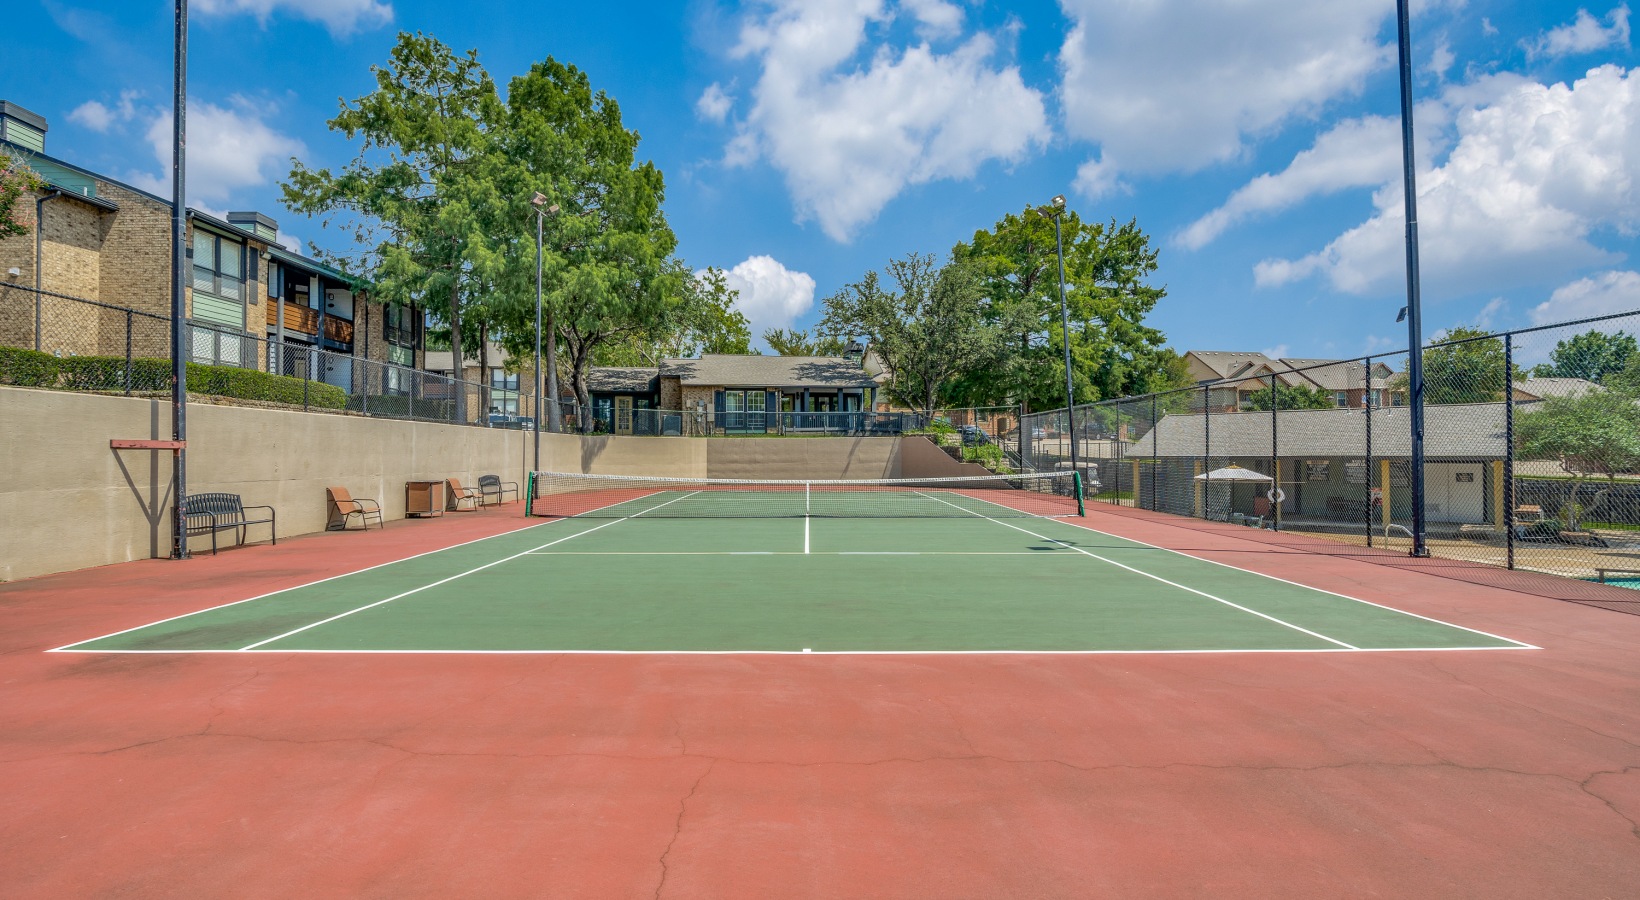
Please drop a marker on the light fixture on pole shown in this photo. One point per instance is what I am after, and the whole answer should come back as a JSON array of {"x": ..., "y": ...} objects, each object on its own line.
[
  {"x": 542, "y": 210},
  {"x": 1054, "y": 211}
]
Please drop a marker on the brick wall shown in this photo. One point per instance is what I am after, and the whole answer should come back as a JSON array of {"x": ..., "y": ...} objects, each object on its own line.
[{"x": 136, "y": 252}]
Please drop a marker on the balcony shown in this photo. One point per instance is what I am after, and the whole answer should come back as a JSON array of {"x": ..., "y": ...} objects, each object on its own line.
[{"x": 301, "y": 320}]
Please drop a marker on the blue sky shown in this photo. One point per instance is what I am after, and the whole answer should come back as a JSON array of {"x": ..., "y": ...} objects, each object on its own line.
[{"x": 1256, "y": 141}]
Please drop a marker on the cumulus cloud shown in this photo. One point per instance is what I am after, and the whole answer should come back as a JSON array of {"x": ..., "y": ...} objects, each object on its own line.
[
  {"x": 851, "y": 122},
  {"x": 340, "y": 17},
  {"x": 1534, "y": 169},
  {"x": 93, "y": 115},
  {"x": 771, "y": 295},
  {"x": 1354, "y": 153},
  {"x": 1158, "y": 97},
  {"x": 1585, "y": 34},
  {"x": 1585, "y": 298},
  {"x": 714, "y": 104},
  {"x": 228, "y": 149},
  {"x": 1489, "y": 313}
]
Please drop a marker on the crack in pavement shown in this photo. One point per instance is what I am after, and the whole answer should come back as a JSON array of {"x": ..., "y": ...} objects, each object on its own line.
[
  {"x": 1584, "y": 785},
  {"x": 677, "y": 826},
  {"x": 1546, "y": 714}
]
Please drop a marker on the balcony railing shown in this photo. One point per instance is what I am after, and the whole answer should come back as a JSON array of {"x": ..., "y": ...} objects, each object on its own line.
[
  {"x": 302, "y": 320},
  {"x": 339, "y": 330}
]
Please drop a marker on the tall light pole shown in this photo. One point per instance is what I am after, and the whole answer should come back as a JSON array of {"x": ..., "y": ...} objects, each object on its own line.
[
  {"x": 179, "y": 229},
  {"x": 1054, "y": 211},
  {"x": 542, "y": 210},
  {"x": 1414, "y": 307}
]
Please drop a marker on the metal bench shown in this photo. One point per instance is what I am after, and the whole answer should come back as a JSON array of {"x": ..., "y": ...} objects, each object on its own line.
[{"x": 211, "y": 513}]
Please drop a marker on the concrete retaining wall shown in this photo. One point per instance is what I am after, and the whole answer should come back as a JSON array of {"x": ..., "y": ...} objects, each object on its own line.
[{"x": 69, "y": 502}]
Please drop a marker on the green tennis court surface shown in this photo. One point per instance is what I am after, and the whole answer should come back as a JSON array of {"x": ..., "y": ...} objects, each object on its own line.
[{"x": 977, "y": 579}]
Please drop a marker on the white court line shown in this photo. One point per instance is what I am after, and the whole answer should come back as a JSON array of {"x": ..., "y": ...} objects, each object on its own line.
[
  {"x": 435, "y": 584},
  {"x": 1314, "y": 634},
  {"x": 1497, "y": 637},
  {"x": 1060, "y": 551},
  {"x": 1226, "y": 650}
]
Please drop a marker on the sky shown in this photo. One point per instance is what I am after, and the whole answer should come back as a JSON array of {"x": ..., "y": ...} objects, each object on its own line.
[{"x": 1257, "y": 142}]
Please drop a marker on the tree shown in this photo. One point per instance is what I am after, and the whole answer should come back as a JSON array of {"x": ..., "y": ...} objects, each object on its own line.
[
  {"x": 1628, "y": 380},
  {"x": 16, "y": 180},
  {"x": 1106, "y": 266},
  {"x": 1592, "y": 356},
  {"x": 796, "y": 342},
  {"x": 929, "y": 332},
  {"x": 609, "y": 277},
  {"x": 1594, "y": 435},
  {"x": 422, "y": 193},
  {"x": 1295, "y": 396},
  {"x": 705, "y": 321},
  {"x": 1467, "y": 366}
]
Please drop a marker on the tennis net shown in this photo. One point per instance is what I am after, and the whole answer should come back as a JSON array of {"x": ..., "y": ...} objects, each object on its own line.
[{"x": 562, "y": 494}]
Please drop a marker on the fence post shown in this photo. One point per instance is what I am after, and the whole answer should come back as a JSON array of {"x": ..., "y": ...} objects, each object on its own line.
[
  {"x": 1368, "y": 485},
  {"x": 1207, "y": 452},
  {"x": 128, "y": 353},
  {"x": 1507, "y": 514},
  {"x": 1155, "y": 462},
  {"x": 1275, "y": 457},
  {"x": 307, "y": 371},
  {"x": 37, "y": 296}
]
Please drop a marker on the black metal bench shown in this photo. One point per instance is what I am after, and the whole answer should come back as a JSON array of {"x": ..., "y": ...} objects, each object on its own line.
[{"x": 210, "y": 513}]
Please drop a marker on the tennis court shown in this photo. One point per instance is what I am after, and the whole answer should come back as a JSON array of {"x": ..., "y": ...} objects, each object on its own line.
[{"x": 644, "y": 566}]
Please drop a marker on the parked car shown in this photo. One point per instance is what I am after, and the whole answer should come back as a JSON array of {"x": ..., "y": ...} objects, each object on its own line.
[{"x": 973, "y": 434}]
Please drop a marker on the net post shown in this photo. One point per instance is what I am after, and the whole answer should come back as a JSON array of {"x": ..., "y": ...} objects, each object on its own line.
[
  {"x": 1076, "y": 487},
  {"x": 529, "y": 498}
]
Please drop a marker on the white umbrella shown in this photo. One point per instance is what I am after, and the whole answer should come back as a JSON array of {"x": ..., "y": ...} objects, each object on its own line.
[{"x": 1233, "y": 473}]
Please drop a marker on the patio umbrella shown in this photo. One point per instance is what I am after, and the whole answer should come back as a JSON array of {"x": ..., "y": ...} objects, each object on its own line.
[{"x": 1233, "y": 473}]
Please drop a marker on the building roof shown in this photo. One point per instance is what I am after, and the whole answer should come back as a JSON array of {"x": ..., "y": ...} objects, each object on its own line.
[
  {"x": 1463, "y": 431},
  {"x": 629, "y": 379},
  {"x": 1544, "y": 388},
  {"x": 1326, "y": 374},
  {"x": 726, "y": 370}
]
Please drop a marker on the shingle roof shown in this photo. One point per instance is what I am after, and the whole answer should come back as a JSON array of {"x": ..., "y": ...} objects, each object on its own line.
[
  {"x": 1557, "y": 387},
  {"x": 637, "y": 379},
  {"x": 725, "y": 370},
  {"x": 1468, "y": 431}
]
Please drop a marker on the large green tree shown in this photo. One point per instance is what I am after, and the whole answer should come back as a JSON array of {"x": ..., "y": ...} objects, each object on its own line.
[
  {"x": 1108, "y": 295},
  {"x": 1592, "y": 356},
  {"x": 705, "y": 321},
  {"x": 610, "y": 278},
  {"x": 929, "y": 328},
  {"x": 1596, "y": 435},
  {"x": 1466, "y": 366},
  {"x": 796, "y": 342},
  {"x": 423, "y": 192}
]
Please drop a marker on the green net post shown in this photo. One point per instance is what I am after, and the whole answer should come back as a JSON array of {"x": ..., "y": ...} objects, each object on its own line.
[
  {"x": 1076, "y": 482},
  {"x": 529, "y": 498}
]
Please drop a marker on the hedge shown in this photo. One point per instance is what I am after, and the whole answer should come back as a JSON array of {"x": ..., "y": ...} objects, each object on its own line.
[
  {"x": 28, "y": 368},
  {"x": 399, "y": 406}
]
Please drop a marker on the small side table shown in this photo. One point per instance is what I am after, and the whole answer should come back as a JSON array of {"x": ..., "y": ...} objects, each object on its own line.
[{"x": 423, "y": 498}]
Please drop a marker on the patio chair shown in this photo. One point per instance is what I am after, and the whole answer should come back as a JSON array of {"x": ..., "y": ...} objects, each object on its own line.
[
  {"x": 460, "y": 495},
  {"x": 492, "y": 486},
  {"x": 344, "y": 506}
]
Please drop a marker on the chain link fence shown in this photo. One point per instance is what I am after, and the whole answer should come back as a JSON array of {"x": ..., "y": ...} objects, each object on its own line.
[
  {"x": 1531, "y": 453},
  {"x": 60, "y": 342}
]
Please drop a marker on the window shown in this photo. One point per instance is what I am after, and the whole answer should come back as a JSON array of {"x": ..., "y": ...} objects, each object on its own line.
[
  {"x": 219, "y": 266},
  {"x": 503, "y": 392},
  {"x": 1342, "y": 398},
  {"x": 400, "y": 326}
]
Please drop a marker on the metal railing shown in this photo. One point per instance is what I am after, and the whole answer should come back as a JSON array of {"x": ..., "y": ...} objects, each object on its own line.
[{"x": 85, "y": 345}]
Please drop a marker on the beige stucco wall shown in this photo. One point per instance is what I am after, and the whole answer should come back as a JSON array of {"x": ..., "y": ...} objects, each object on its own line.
[
  {"x": 72, "y": 502},
  {"x": 919, "y": 458}
]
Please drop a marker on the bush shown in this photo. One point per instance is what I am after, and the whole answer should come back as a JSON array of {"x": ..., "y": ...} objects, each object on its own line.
[{"x": 27, "y": 368}]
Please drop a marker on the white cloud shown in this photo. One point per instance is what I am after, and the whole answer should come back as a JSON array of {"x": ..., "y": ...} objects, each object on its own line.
[
  {"x": 771, "y": 295},
  {"x": 1490, "y": 312},
  {"x": 851, "y": 123},
  {"x": 714, "y": 104},
  {"x": 228, "y": 149},
  {"x": 1585, "y": 298},
  {"x": 936, "y": 18},
  {"x": 1279, "y": 351},
  {"x": 340, "y": 17},
  {"x": 1441, "y": 59},
  {"x": 1354, "y": 153},
  {"x": 1159, "y": 95},
  {"x": 1585, "y": 34},
  {"x": 93, "y": 115},
  {"x": 1487, "y": 28},
  {"x": 1534, "y": 169}
]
